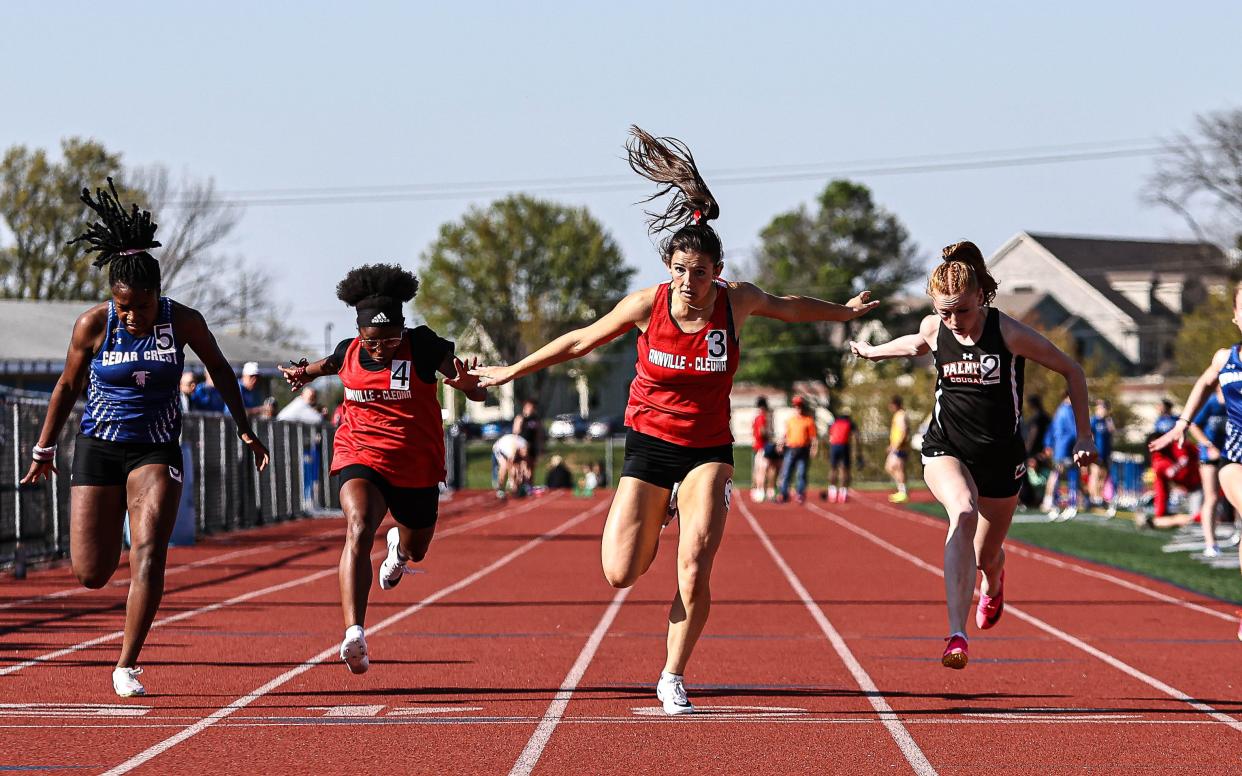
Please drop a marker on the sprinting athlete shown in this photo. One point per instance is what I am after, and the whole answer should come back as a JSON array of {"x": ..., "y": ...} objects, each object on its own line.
[
  {"x": 388, "y": 454},
  {"x": 678, "y": 411},
  {"x": 1225, "y": 371},
  {"x": 129, "y": 353},
  {"x": 973, "y": 456}
]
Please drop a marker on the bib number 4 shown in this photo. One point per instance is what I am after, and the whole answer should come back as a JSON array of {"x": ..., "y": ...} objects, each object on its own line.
[{"x": 400, "y": 376}]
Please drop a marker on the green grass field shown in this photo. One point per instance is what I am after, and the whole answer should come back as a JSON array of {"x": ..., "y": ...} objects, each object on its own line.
[{"x": 1119, "y": 544}]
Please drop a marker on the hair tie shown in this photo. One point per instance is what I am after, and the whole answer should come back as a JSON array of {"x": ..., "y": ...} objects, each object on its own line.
[{"x": 698, "y": 216}]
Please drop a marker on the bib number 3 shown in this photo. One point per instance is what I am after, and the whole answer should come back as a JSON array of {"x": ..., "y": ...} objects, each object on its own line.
[{"x": 717, "y": 345}]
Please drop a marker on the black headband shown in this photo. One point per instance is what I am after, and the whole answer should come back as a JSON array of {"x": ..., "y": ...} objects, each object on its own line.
[{"x": 380, "y": 313}]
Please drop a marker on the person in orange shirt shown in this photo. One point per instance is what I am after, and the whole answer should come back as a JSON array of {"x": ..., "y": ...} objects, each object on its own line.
[{"x": 801, "y": 444}]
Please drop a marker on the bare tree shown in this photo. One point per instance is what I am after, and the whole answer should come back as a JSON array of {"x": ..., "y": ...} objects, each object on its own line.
[{"x": 1201, "y": 178}]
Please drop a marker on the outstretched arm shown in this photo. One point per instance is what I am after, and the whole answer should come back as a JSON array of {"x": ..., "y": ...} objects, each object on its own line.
[
  {"x": 1203, "y": 388},
  {"x": 1024, "y": 341},
  {"x": 300, "y": 373},
  {"x": 87, "y": 332},
  {"x": 457, "y": 374},
  {"x": 199, "y": 337},
  {"x": 908, "y": 346},
  {"x": 629, "y": 312},
  {"x": 748, "y": 299}
]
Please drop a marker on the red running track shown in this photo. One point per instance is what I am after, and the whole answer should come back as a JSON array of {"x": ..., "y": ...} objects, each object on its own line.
[{"x": 512, "y": 655}]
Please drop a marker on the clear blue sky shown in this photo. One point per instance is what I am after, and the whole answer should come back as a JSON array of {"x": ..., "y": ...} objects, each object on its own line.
[{"x": 308, "y": 94}]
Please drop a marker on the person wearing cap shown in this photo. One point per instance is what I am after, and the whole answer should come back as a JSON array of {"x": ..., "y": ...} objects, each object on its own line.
[
  {"x": 256, "y": 403},
  {"x": 801, "y": 445}
]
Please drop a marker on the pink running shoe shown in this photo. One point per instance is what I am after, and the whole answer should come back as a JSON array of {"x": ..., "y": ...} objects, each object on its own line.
[
  {"x": 956, "y": 653},
  {"x": 991, "y": 606}
]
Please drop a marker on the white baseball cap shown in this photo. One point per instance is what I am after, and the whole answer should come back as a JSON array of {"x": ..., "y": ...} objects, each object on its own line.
[{"x": 250, "y": 368}]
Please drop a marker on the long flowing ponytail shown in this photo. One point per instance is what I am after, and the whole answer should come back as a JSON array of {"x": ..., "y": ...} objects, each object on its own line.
[{"x": 667, "y": 162}]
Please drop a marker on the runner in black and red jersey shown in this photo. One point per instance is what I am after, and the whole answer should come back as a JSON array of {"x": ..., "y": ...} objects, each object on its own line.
[
  {"x": 389, "y": 450},
  {"x": 678, "y": 412}
]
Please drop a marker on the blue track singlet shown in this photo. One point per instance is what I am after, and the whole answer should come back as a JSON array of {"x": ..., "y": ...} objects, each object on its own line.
[
  {"x": 1231, "y": 388},
  {"x": 132, "y": 395}
]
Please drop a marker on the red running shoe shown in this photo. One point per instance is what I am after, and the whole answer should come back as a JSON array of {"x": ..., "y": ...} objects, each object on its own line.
[
  {"x": 990, "y": 607},
  {"x": 956, "y": 653}
]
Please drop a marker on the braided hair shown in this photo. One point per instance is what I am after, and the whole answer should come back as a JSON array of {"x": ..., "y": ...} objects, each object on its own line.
[
  {"x": 962, "y": 270},
  {"x": 667, "y": 162},
  {"x": 122, "y": 238}
]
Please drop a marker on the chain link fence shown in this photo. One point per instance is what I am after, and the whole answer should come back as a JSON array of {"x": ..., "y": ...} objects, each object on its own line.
[{"x": 221, "y": 486}]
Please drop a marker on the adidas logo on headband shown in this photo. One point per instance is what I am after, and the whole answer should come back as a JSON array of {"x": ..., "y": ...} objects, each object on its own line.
[{"x": 380, "y": 318}]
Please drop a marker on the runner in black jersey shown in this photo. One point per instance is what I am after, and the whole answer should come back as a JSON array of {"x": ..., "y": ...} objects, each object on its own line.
[{"x": 973, "y": 455}]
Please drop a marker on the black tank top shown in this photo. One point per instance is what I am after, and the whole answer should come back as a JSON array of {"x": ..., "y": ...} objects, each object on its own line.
[{"x": 978, "y": 393}]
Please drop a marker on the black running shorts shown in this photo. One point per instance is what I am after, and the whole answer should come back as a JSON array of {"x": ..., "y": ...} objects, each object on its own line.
[
  {"x": 998, "y": 472},
  {"x": 100, "y": 462},
  {"x": 662, "y": 463},
  {"x": 414, "y": 508}
]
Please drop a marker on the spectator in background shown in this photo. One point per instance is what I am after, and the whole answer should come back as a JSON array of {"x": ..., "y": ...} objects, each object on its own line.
[
  {"x": 762, "y": 443},
  {"x": 256, "y": 405},
  {"x": 186, "y": 391},
  {"x": 559, "y": 475},
  {"x": 1034, "y": 429},
  {"x": 1177, "y": 464},
  {"x": 1210, "y": 431},
  {"x": 1166, "y": 418},
  {"x": 529, "y": 426},
  {"x": 1059, "y": 447},
  {"x": 1102, "y": 430},
  {"x": 898, "y": 450},
  {"x": 511, "y": 455},
  {"x": 801, "y": 444},
  {"x": 840, "y": 435},
  {"x": 206, "y": 398},
  {"x": 304, "y": 408}
]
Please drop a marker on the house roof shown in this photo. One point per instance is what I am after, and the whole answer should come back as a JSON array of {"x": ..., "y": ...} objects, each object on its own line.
[
  {"x": 1094, "y": 258},
  {"x": 37, "y": 335}
]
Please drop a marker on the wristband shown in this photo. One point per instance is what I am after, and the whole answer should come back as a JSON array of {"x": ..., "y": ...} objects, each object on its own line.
[
  {"x": 1182, "y": 420},
  {"x": 44, "y": 454}
]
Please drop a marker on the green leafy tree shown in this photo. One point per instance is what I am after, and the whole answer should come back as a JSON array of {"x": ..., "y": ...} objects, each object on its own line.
[
  {"x": 846, "y": 244},
  {"x": 524, "y": 269},
  {"x": 42, "y": 213},
  {"x": 1205, "y": 330}
]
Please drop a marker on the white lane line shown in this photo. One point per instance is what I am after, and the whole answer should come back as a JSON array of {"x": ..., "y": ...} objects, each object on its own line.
[
  {"x": 919, "y": 519},
  {"x": 178, "y": 569},
  {"x": 303, "y": 580},
  {"x": 905, "y": 742},
  {"x": 254, "y": 695},
  {"x": 1073, "y": 641},
  {"x": 556, "y": 709}
]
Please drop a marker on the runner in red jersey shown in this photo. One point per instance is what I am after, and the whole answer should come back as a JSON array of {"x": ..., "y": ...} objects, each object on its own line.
[
  {"x": 678, "y": 411},
  {"x": 389, "y": 449}
]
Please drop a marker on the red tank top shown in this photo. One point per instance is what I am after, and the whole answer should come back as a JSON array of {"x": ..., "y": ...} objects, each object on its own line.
[
  {"x": 681, "y": 391},
  {"x": 391, "y": 422}
]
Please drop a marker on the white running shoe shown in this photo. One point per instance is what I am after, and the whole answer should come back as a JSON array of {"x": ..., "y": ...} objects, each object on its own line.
[
  {"x": 354, "y": 650},
  {"x": 125, "y": 682},
  {"x": 1069, "y": 513},
  {"x": 1211, "y": 552},
  {"x": 1054, "y": 514},
  {"x": 671, "y": 691},
  {"x": 393, "y": 567},
  {"x": 671, "y": 515}
]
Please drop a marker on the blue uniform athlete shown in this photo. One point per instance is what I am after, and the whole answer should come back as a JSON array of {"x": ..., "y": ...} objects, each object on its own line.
[{"x": 128, "y": 353}]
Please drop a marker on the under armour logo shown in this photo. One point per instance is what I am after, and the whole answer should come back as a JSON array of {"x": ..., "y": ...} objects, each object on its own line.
[
  {"x": 968, "y": 356},
  {"x": 380, "y": 318},
  {"x": 141, "y": 378}
]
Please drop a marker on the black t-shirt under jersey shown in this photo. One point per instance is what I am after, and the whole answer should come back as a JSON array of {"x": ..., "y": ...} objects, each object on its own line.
[
  {"x": 427, "y": 347},
  {"x": 978, "y": 394}
]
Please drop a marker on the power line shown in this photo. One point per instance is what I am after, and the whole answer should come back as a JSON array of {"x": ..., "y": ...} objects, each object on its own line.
[{"x": 910, "y": 165}]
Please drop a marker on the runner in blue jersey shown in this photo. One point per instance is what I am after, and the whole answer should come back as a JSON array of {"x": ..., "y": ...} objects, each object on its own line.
[
  {"x": 1224, "y": 371},
  {"x": 128, "y": 353},
  {"x": 1102, "y": 431},
  {"x": 1210, "y": 430}
]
